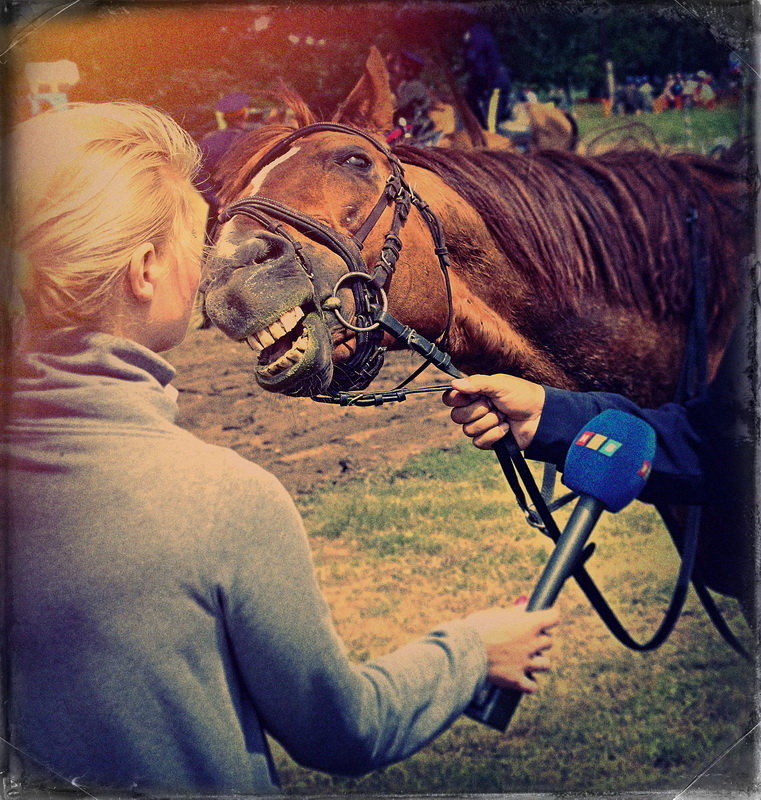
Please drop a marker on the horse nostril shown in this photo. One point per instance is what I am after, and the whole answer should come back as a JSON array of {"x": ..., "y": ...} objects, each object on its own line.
[{"x": 263, "y": 248}]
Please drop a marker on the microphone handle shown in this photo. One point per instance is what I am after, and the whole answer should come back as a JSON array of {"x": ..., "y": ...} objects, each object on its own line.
[{"x": 495, "y": 706}]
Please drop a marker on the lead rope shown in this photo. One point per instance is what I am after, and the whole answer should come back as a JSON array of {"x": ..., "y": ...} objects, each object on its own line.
[{"x": 517, "y": 474}]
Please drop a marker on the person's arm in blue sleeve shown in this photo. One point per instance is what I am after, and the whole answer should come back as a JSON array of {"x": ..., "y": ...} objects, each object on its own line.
[
  {"x": 702, "y": 450},
  {"x": 682, "y": 468}
]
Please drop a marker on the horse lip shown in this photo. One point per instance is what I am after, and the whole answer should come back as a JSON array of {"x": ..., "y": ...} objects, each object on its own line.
[{"x": 306, "y": 368}]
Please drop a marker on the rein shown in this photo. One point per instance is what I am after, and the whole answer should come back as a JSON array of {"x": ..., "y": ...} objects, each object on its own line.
[{"x": 372, "y": 320}]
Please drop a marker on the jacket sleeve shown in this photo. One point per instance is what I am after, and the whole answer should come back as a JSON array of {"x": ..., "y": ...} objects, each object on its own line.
[
  {"x": 681, "y": 466},
  {"x": 328, "y": 713},
  {"x": 705, "y": 447}
]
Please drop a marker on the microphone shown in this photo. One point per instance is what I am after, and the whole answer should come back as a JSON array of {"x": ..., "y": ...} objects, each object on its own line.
[{"x": 607, "y": 465}]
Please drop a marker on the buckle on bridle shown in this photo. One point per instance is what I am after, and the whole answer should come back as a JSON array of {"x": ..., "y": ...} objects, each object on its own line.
[{"x": 393, "y": 187}]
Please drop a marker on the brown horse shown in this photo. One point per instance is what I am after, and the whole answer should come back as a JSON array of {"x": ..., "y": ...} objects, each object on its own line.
[
  {"x": 568, "y": 270},
  {"x": 533, "y": 127}
]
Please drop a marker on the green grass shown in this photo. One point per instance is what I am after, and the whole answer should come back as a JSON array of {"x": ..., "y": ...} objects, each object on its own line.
[
  {"x": 399, "y": 551},
  {"x": 697, "y": 129}
]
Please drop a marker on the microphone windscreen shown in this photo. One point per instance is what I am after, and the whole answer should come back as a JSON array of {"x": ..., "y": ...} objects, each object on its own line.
[{"x": 610, "y": 458}]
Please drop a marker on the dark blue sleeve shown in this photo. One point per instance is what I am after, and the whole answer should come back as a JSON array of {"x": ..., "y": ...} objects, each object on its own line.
[
  {"x": 678, "y": 470},
  {"x": 705, "y": 447}
]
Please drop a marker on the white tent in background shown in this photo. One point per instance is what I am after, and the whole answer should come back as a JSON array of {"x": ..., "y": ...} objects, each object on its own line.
[{"x": 49, "y": 83}]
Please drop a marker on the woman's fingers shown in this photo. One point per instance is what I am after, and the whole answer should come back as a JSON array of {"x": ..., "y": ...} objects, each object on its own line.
[{"x": 539, "y": 664}]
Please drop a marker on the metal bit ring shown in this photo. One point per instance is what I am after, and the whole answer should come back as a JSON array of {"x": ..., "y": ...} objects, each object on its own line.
[{"x": 345, "y": 323}]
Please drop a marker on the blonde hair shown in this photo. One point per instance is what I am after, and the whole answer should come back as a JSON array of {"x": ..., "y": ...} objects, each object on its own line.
[{"x": 89, "y": 184}]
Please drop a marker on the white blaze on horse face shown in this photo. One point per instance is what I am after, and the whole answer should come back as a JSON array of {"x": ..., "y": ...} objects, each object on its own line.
[
  {"x": 224, "y": 248},
  {"x": 259, "y": 178}
]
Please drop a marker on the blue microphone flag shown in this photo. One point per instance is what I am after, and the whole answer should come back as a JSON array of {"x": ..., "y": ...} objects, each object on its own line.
[{"x": 611, "y": 458}]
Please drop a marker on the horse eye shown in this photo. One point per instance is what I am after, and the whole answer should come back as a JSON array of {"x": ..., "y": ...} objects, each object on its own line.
[{"x": 358, "y": 161}]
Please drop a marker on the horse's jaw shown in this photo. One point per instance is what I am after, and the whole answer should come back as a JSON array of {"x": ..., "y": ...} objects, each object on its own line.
[
  {"x": 298, "y": 365},
  {"x": 291, "y": 342}
]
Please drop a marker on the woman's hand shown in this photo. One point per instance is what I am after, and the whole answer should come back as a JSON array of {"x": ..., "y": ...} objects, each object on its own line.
[{"x": 515, "y": 641}]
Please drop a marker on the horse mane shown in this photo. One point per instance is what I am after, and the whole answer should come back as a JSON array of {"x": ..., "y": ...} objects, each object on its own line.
[{"x": 616, "y": 224}]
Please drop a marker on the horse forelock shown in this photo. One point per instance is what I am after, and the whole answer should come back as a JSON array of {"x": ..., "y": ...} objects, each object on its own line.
[
  {"x": 613, "y": 227},
  {"x": 235, "y": 170}
]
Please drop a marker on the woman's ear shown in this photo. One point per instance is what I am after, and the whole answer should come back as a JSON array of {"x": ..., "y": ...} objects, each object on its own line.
[{"x": 142, "y": 272}]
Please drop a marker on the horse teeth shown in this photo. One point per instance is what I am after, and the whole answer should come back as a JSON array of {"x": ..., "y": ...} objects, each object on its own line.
[
  {"x": 265, "y": 338},
  {"x": 290, "y": 319},
  {"x": 293, "y": 356},
  {"x": 287, "y": 360},
  {"x": 253, "y": 343},
  {"x": 277, "y": 330}
]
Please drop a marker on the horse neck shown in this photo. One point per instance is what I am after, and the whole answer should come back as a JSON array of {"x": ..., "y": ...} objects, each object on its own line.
[{"x": 474, "y": 255}]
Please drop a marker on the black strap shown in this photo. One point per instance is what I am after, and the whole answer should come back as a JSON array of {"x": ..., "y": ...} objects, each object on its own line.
[
  {"x": 694, "y": 375},
  {"x": 685, "y": 538},
  {"x": 263, "y": 209},
  {"x": 693, "y": 381}
]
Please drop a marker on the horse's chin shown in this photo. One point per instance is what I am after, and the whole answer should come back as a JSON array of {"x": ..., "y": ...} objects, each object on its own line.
[{"x": 302, "y": 372}]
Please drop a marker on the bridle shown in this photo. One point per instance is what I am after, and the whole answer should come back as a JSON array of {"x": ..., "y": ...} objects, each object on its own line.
[{"x": 367, "y": 284}]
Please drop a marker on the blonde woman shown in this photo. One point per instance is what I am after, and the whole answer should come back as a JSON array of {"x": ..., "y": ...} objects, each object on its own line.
[{"x": 164, "y": 609}]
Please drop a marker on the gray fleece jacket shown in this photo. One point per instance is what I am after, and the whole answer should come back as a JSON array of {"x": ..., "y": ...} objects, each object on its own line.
[{"x": 164, "y": 608}]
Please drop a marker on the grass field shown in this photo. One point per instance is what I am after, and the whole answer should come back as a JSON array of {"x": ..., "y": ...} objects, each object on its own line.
[
  {"x": 398, "y": 552},
  {"x": 696, "y": 129}
]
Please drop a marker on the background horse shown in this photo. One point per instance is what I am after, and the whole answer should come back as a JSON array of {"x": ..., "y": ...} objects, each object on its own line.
[
  {"x": 532, "y": 127},
  {"x": 573, "y": 271}
]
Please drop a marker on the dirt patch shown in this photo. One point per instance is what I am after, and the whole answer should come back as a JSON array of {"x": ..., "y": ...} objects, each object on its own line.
[{"x": 303, "y": 443}]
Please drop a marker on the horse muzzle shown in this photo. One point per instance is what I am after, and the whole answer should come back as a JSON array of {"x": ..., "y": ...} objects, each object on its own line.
[{"x": 258, "y": 291}]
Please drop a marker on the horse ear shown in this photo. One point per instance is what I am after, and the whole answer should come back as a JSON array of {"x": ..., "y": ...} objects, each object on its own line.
[{"x": 370, "y": 104}]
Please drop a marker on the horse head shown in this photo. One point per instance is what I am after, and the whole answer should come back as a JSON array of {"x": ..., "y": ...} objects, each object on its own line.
[{"x": 277, "y": 275}]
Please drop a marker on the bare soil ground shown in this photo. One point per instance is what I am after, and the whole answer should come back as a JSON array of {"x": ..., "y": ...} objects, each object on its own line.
[{"x": 304, "y": 443}]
